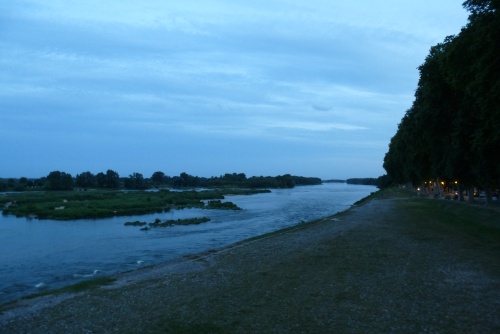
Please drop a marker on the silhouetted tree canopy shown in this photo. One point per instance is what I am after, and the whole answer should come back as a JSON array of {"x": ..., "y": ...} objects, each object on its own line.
[{"x": 452, "y": 130}]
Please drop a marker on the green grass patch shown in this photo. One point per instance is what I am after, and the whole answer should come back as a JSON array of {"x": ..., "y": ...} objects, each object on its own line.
[
  {"x": 75, "y": 288},
  {"x": 71, "y": 205},
  {"x": 175, "y": 327},
  {"x": 217, "y": 204},
  {"x": 171, "y": 222},
  {"x": 457, "y": 219}
]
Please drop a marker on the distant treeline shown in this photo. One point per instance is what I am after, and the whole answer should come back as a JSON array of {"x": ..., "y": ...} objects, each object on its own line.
[
  {"x": 380, "y": 182},
  {"x": 57, "y": 180},
  {"x": 334, "y": 181},
  {"x": 369, "y": 181}
]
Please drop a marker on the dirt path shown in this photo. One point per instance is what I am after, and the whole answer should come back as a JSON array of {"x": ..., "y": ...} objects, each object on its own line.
[{"x": 385, "y": 266}]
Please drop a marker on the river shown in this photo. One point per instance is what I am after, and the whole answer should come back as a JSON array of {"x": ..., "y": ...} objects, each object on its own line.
[{"x": 47, "y": 254}]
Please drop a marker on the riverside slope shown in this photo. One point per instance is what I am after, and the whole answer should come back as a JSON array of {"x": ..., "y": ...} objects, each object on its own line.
[{"x": 393, "y": 263}]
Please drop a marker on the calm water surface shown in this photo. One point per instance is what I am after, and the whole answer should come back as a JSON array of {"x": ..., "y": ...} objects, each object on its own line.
[{"x": 43, "y": 254}]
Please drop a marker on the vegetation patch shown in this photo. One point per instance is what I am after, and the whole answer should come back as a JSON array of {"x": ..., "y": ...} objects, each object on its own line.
[
  {"x": 217, "y": 204},
  {"x": 136, "y": 223},
  {"x": 170, "y": 222},
  {"x": 69, "y": 205},
  {"x": 75, "y": 288}
]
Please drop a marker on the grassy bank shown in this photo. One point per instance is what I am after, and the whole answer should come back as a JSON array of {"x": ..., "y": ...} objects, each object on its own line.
[{"x": 422, "y": 266}]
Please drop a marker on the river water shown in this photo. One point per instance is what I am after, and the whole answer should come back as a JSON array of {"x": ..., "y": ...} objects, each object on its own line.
[{"x": 47, "y": 254}]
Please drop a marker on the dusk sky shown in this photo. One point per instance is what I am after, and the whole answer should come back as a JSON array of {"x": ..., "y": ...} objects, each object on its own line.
[{"x": 311, "y": 88}]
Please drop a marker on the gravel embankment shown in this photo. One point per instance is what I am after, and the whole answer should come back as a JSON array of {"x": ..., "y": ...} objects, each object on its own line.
[{"x": 379, "y": 267}]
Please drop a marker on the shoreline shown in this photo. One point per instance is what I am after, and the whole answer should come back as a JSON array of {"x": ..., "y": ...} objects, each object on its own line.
[
  {"x": 361, "y": 267},
  {"x": 24, "y": 274},
  {"x": 180, "y": 264}
]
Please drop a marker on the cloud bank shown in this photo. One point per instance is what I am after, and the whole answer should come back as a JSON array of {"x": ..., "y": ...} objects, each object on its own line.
[{"x": 209, "y": 87}]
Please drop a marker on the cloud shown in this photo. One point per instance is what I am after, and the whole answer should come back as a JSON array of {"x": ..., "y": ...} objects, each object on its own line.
[
  {"x": 321, "y": 107},
  {"x": 279, "y": 77},
  {"x": 313, "y": 126}
]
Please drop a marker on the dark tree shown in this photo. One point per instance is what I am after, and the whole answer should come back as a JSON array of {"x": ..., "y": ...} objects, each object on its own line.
[
  {"x": 452, "y": 130},
  {"x": 136, "y": 181},
  {"x": 86, "y": 180},
  {"x": 112, "y": 179},
  {"x": 57, "y": 180},
  {"x": 158, "y": 178},
  {"x": 101, "y": 180}
]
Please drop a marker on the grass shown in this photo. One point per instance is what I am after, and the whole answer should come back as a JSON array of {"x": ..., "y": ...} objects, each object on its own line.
[
  {"x": 188, "y": 221},
  {"x": 426, "y": 266},
  {"x": 77, "y": 287},
  {"x": 99, "y": 204}
]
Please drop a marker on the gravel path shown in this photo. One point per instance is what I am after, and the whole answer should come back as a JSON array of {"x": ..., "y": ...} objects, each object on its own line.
[{"x": 371, "y": 269}]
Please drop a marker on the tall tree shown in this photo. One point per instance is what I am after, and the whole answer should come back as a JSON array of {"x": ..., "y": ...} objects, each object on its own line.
[
  {"x": 112, "y": 179},
  {"x": 57, "y": 180},
  {"x": 135, "y": 181},
  {"x": 86, "y": 180},
  {"x": 453, "y": 127},
  {"x": 158, "y": 178}
]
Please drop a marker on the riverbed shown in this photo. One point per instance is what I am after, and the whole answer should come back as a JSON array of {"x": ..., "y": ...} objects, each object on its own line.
[{"x": 45, "y": 254}]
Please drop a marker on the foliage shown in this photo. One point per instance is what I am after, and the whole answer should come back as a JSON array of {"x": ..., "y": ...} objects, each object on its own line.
[
  {"x": 452, "y": 130},
  {"x": 66, "y": 205},
  {"x": 86, "y": 180},
  {"x": 217, "y": 204},
  {"x": 77, "y": 287},
  {"x": 136, "y": 181},
  {"x": 135, "y": 223},
  {"x": 369, "y": 181},
  {"x": 171, "y": 222},
  {"x": 59, "y": 181},
  {"x": 158, "y": 178}
]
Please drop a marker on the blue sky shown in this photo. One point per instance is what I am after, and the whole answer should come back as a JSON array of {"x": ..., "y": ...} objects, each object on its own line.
[{"x": 312, "y": 88}]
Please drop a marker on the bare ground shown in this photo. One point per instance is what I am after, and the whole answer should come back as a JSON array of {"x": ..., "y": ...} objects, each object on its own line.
[{"x": 387, "y": 265}]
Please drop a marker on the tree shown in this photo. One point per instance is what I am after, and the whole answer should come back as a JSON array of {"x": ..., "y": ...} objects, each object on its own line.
[
  {"x": 158, "y": 178},
  {"x": 39, "y": 183},
  {"x": 477, "y": 8},
  {"x": 57, "y": 180},
  {"x": 101, "y": 180},
  {"x": 135, "y": 181},
  {"x": 453, "y": 128},
  {"x": 285, "y": 181},
  {"x": 86, "y": 180},
  {"x": 186, "y": 180},
  {"x": 112, "y": 179}
]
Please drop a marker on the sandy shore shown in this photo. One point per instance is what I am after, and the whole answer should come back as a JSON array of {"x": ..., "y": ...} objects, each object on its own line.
[{"x": 377, "y": 268}]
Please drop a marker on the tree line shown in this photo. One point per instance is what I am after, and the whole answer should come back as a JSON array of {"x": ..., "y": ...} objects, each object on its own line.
[
  {"x": 368, "y": 181},
  {"x": 451, "y": 133},
  {"x": 57, "y": 180}
]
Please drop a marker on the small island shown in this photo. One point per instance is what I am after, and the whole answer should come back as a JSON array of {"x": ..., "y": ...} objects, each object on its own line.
[{"x": 69, "y": 205}]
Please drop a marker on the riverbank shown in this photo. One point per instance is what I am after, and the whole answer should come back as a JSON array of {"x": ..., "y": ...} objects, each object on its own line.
[{"x": 392, "y": 263}]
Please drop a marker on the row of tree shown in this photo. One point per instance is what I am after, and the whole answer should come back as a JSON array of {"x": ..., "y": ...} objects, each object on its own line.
[
  {"x": 58, "y": 180},
  {"x": 368, "y": 181},
  {"x": 452, "y": 130}
]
